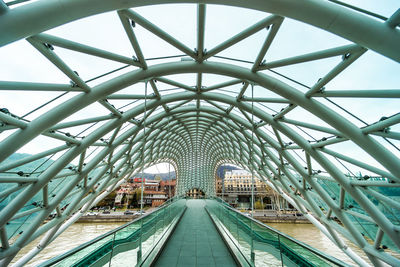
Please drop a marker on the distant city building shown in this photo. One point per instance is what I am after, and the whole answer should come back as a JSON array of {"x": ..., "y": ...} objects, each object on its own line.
[
  {"x": 195, "y": 193},
  {"x": 169, "y": 187},
  {"x": 218, "y": 185},
  {"x": 236, "y": 187},
  {"x": 124, "y": 191},
  {"x": 154, "y": 198},
  {"x": 240, "y": 181},
  {"x": 155, "y": 192}
]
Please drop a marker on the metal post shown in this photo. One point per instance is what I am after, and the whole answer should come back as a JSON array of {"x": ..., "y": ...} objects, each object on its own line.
[
  {"x": 280, "y": 250},
  {"x": 223, "y": 185},
  {"x": 142, "y": 187},
  {"x": 252, "y": 176},
  {"x": 237, "y": 229},
  {"x": 112, "y": 250}
]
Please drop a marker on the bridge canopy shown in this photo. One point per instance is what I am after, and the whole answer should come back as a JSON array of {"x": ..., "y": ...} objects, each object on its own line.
[{"x": 302, "y": 94}]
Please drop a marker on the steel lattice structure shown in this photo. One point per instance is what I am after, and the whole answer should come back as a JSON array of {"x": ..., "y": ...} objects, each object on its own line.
[{"x": 200, "y": 126}]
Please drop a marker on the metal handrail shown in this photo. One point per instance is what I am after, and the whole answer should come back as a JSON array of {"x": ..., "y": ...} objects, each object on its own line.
[
  {"x": 89, "y": 243},
  {"x": 314, "y": 250}
]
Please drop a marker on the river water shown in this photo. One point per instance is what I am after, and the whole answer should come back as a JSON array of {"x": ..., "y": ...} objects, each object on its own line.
[
  {"x": 311, "y": 235},
  {"x": 74, "y": 236},
  {"x": 79, "y": 233}
]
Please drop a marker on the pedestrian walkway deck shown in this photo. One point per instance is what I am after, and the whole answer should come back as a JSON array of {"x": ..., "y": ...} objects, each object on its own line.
[{"x": 196, "y": 241}]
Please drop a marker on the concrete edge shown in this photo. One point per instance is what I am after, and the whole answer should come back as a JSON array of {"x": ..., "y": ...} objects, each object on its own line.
[{"x": 235, "y": 252}]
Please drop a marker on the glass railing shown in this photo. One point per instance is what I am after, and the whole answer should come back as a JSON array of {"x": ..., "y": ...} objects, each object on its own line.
[
  {"x": 127, "y": 245},
  {"x": 261, "y": 245}
]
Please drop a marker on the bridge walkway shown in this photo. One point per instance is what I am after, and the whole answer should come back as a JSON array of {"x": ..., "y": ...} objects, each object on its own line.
[{"x": 195, "y": 241}]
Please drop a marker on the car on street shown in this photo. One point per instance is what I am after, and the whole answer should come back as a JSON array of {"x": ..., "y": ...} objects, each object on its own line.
[{"x": 128, "y": 212}]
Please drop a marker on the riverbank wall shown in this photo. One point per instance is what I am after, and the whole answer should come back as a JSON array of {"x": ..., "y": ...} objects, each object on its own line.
[
  {"x": 106, "y": 219},
  {"x": 276, "y": 218},
  {"x": 285, "y": 218}
]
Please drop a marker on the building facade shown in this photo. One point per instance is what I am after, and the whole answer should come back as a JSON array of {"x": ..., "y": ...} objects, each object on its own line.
[
  {"x": 155, "y": 192},
  {"x": 169, "y": 187},
  {"x": 236, "y": 189}
]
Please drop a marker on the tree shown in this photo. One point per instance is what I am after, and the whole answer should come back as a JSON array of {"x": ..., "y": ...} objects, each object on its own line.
[
  {"x": 136, "y": 197},
  {"x": 258, "y": 205},
  {"x": 124, "y": 199},
  {"x": 108, "y": 200},
  {"x": 134, "y": 201}
]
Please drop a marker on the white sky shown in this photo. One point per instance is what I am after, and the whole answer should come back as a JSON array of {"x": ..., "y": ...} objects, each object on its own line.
[{"x": 160, "y": 168}]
